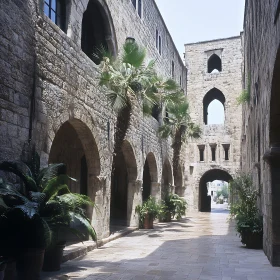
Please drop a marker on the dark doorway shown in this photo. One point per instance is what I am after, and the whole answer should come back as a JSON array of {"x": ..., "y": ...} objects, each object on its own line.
[
  {"x": 204, "y": 202},
  {"x": 147, "y": 181},
  {"x": 119, "y": 188}
]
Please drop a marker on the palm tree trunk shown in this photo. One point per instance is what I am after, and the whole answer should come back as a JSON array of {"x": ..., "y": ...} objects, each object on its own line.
[{"x": 177, "y": 145}]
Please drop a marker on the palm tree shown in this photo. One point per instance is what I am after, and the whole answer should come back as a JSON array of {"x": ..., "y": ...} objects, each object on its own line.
[
  {"x": 127, "y": 81},
  {"x": 179, "y": 127}
]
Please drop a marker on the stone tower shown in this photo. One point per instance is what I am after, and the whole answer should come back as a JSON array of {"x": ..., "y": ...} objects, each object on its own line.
[{"x": 214, "y": 74}]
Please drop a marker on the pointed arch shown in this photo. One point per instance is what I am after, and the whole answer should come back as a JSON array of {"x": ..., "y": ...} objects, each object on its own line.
[
  {"x": 211, "y": 95},
  {"x": 214, "y": 63}
]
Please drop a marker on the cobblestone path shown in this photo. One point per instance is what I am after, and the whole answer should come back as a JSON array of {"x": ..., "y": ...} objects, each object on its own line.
[{"x": 202, "y": 246}]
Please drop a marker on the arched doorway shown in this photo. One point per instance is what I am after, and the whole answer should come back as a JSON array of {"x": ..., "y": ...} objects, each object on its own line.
[
  {"x": 214, "y": 101},
  {"x": 75, "y": 146},
  {"x": 97, "y": 31},
  {"x": 272, "y": 156},
  {"x": 178, "y": 181},
  {"x": 150, "y": 177},
  {"x": 167, "y": 180},
  {"x": 122, "y": 195},
  {"x": 204, "y": 202}
]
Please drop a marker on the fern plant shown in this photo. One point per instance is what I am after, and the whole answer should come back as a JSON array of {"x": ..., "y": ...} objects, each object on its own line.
[
  {"x": 32, "y": 214},
  {"x": 175, "y": 205}
]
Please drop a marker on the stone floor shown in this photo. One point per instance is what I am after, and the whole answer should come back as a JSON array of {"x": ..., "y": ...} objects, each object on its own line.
[{"x": 202, "y": 246}]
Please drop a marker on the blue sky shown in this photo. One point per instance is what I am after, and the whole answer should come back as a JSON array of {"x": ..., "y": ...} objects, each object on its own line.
[{"x": 191, "y": 21}]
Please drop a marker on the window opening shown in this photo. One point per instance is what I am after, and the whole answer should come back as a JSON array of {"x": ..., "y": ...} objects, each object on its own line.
[
  {"x": 226, "y": 149},
  {"x": 180, "y": 80},
  {"x": 93, "y": 32},
  {"x": 201, "y": 152},
  {"x": 157, "y": 39},
  {"x": 172, "y": 70},
  {"x": 155, "y": 112},
  {"x": 56, "y": 11},
  {"x": 140, "y": 8},
  {"x": 214, "y": 64},
  {"x": 159, "y": 44},
  {"x": 213, "y": 151}
]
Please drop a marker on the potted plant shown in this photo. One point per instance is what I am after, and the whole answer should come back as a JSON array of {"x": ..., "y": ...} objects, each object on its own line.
[
  {"x": 148, "y": 212},
  {"x": 32, "y": 213},
  {"x": 173, "y": 206},
  {"x": 249, "y": 223}
]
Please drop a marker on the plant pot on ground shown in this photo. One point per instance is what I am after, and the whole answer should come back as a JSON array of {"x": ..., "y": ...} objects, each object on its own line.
[
  {"x": 32, "y": 214},
  {"x": 173, "y": 206},
  {"x": 249, "y": 223},
  {"x": 148, "y": 212}
]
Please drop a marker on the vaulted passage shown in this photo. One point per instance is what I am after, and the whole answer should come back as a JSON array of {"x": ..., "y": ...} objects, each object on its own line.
[
  {"x": 122, "y": 193},
  {"x": 204, "y": 203},
  {"x": 166, "y": 178},
  {"x": 97, "y": 31},
  {"x": 150, "y": 177},
  {"x": 214, "y": 107}
]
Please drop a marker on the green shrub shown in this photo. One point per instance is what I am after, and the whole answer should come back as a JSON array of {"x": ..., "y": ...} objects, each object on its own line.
[{"x": 175, "y": 205}]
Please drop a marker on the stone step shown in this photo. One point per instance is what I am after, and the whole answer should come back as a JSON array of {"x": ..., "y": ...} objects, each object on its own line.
[{"x": 82, "y": 248}]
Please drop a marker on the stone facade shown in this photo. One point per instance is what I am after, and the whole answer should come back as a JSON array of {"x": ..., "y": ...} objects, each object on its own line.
[
  {"x": 260, "y": 128},
  {"x": 224, "y": 85},
  {"x": 49, "y": 96}
]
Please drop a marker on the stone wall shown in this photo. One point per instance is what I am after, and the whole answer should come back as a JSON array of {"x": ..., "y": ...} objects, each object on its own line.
[
  {"x": 64, "y": 90},
  {"x": 261, "y": 114},
  {"x": 200, "y": 82}
]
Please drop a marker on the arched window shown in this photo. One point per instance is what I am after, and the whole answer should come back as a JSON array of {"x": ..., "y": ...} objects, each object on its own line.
[
  {"x": 95, "y": 30},
  {"x": 157, "y": 39},
  {"x": 140, "y": 8},
  {"x": 56, "y": 11},
  {"x": 214, "y": 107},
  {"x": 214, "y": 63},
  {"x": 172, "y": 69}
]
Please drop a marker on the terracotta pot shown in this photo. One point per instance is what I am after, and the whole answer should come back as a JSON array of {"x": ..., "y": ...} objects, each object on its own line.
[
  {"x": 30, "y": 263},
  {"x": 53, "y": 258},
  {"x": 167, "y": 217},
  {"x": 148, "y": 222}
]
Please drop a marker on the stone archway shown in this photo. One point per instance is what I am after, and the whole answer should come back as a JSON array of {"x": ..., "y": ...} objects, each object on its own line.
[
  {"x": 167, "y": 178},
  {"x": 123, "y": 187},
  {"x": 150, "y": 178},
  {"x": 178, "y": 181},
  {"x": 75, "y": 146},
  {"x": 204, "y": 201},
  {"x": 272, "y": 156}
]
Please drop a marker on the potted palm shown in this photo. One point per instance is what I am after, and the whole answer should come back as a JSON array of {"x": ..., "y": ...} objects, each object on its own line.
[
  {"x": 148, "y": 212},
  {"x": 249, "y": 223},
  {"x": 32, "y": 213},
  {"x": 173, "y": 206}
]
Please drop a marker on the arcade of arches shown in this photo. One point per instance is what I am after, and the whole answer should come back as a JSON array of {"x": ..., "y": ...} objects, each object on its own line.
[{"x": 204, "y": 202}]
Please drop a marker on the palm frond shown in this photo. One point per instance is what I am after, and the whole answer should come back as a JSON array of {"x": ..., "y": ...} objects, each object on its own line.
[
  {"x": 54, "y": 185},
  {"x": 165, "y": 131},
  {"x": 86, "y": 223},
  {"x": 102, "y": 52}
]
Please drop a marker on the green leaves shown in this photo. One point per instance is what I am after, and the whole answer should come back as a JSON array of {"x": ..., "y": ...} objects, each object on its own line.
[
  {"x": 175, "y": 205},
  {"x": 133, "y": 54}
]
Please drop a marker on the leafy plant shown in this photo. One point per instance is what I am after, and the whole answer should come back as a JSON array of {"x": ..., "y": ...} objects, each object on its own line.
[
  {"x": 175, "y": 205},
  {"x": 245, "y": 95},
  {"x": 245, "y": 210},
  {"x": 32, "y": 213},
  {"x": 223, "y": 192},
  {"x": 149, "y": 207}
]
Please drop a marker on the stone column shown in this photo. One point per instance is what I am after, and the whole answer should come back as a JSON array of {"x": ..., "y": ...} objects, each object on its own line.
[
  {"x": 156, "y": 190},
  {"x": 134, "y": 198}
]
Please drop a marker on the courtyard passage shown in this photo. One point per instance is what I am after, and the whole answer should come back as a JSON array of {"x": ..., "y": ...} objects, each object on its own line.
[{"x": 201, "y": 246}]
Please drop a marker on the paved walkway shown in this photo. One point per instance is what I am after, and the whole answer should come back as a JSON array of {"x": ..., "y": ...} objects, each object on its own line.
[{"x": 202, "y": 246}]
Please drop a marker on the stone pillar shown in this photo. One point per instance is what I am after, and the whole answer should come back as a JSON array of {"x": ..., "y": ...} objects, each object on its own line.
[
  {"x": 156, "y": 190},
  {"x": 134, "y": 198}
]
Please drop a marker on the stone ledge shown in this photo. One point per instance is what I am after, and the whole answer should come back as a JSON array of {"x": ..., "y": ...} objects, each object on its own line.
[{"x": 81, "y": 249}]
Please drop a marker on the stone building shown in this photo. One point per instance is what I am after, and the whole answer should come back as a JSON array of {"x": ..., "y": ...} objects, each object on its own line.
[
  {"x": 49, "y": 96},
  {"x": 261, "y": 114},
  {"x": 214, "y": 75}
]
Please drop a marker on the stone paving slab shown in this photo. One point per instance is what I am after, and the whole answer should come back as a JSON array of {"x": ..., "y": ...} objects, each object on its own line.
[{"x": 202, "y": 246}]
